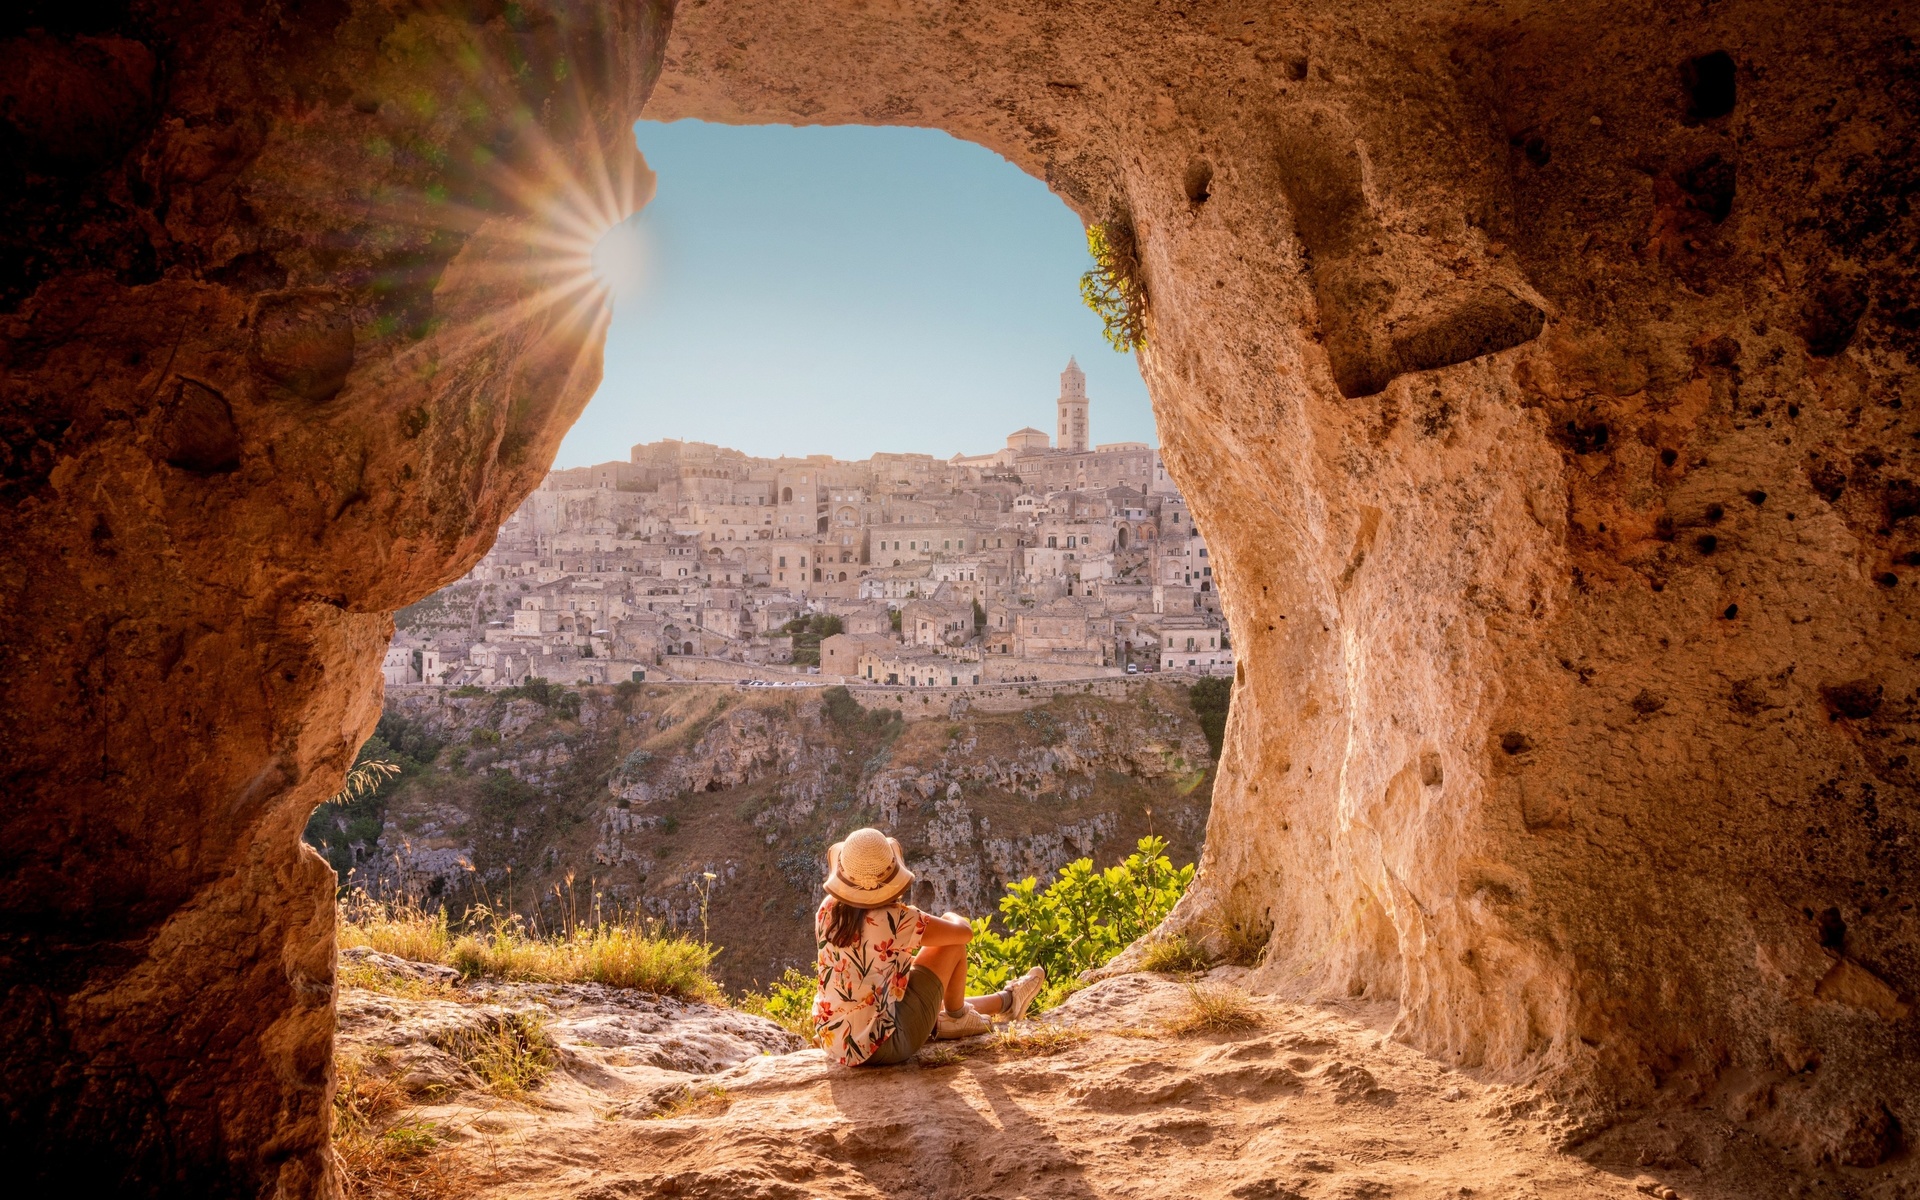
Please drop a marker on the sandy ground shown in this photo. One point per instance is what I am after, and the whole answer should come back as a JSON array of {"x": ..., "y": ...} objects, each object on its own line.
[{"x": 1315, "y": 1103}]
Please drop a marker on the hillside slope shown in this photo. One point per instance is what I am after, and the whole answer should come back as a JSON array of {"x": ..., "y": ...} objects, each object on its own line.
[{"x": 635, "y": 794}]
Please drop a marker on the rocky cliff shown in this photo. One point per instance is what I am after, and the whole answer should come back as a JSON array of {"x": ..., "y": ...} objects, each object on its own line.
[{"x": 635, "y": 794}]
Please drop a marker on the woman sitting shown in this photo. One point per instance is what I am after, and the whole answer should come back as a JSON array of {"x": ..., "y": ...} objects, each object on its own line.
[{"x": 888, "y": 975}]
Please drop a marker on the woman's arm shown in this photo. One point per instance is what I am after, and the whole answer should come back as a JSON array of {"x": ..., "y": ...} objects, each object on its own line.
[{"x": 951, "y": 929}]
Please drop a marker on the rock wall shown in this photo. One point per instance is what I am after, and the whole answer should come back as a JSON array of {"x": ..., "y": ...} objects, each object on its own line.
[
  {"x": 1537, "y": 370},
  {"x": 289, "y": 328}
]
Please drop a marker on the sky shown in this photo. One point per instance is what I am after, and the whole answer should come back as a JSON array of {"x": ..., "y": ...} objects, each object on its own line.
[{"x": 845, "y": 290}]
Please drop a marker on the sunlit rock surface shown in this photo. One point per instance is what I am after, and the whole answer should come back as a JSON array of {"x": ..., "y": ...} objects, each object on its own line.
[
  {"x": 1536, "y": 369},
  {"x": 1100, "y": 1098},
  {"x": 295, "y": 313}
]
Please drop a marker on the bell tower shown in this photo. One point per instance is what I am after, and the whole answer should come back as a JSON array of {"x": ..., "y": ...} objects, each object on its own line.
[{"x": 1073, "y": 409}]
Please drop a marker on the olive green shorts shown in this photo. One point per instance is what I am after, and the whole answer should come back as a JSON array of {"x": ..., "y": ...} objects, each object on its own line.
[{"x": 913, "y": 1019}]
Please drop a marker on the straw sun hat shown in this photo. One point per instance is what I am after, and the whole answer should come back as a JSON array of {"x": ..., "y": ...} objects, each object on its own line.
[{"x": 867, "y": 869}]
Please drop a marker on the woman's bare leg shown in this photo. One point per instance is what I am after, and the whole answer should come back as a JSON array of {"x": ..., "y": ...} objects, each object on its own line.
[{"x": 949, "y": 963}]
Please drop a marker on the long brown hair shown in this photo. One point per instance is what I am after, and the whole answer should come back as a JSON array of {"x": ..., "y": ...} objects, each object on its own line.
[{"x": 844, "y": 921}]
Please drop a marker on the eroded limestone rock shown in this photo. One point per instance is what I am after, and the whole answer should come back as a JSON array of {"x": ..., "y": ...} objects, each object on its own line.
[
  {"x": 1537, "y": 371},
  {"x": 276, "y": 358}
]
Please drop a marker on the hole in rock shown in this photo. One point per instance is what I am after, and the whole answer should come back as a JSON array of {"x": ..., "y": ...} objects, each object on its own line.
[
  {"x": 1709, "y": 84},
  {"x": 1198, "y": 183},
  {"x": 784, "y": 517},
  {"x": 1833, "y": 930}
]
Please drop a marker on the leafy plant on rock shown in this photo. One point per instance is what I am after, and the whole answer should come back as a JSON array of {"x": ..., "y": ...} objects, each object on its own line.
[
  {"x": 1080, "y": 921},
  {"x": 1114, "y": 289}
]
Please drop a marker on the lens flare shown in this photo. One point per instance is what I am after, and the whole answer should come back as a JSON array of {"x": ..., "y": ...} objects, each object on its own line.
[
  {"x": 527, "y": 171},
  {"x": 620, "y": 259}
]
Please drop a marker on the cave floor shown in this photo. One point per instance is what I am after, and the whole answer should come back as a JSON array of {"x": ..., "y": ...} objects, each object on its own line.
[{"x": 1314, "y": 1103}]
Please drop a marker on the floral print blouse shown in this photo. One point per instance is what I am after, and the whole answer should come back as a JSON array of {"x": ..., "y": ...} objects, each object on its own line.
[{"x": 857, "y": 987}]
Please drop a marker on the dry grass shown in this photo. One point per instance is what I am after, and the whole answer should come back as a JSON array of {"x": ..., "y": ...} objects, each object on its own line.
[
  {"x": 362, "y": 1095},
  {"x": 1215, "y": 1010},
  {"x": 1025, "y": 1039},
  {"x": 381, "y": 1152},
  {"x": 512, "y": 1055},
  {"x": 1175, "y": 954},
  {"x": 370, "y": 978},
  {"x": 934, "y": 1055},
  {"x": 381, "y": 1168},
  {"x": 401, "y": 929},
  {"x": 708, "y": 1101},
  {"x": 616, "y": 955},
  {"x": 1246, "y": 942},
  {"x": 624, "y": 955}
]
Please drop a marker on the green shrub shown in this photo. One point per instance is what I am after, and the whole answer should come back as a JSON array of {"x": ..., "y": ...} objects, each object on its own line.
[
  {"x": 849, "y": 716},
  {"x": 1113, "y": 289},
  {"x": 807, "y": 633},
  {"x": 546, "y": 694},
  {"x": 841, "y": 708},
  {"x": 536, "y": 689},
  {"x": 788, "y": 1002},
  {"x": 1081, "y": 921},
  {"x": 349, "y": 827}
]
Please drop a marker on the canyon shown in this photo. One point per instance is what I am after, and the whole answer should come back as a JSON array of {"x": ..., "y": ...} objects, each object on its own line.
[
  {"x": 626, "y": 806},
  {"x": 1537, "y": 371}
]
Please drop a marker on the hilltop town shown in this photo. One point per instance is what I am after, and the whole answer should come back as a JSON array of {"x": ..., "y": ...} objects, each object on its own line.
[{"x": 1048, "y": 559}]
